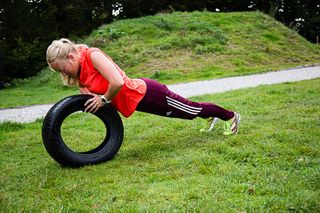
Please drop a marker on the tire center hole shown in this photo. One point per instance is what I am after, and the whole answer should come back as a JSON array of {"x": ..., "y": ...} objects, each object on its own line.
[{"x": 82, "y": 132}]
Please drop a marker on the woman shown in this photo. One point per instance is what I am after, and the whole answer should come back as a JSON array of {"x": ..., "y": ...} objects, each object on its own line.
[{"x": 95, "y": 73}]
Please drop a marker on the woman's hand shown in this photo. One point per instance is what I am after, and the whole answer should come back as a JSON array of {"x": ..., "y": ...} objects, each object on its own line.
[{"x": 93, "y": 104}]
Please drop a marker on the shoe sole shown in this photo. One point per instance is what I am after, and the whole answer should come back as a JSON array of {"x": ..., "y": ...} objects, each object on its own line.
[
  {"x": 237, "y": 124},
  {"x": 238, "y": 121},
  {"x": 215, "y": 120}
]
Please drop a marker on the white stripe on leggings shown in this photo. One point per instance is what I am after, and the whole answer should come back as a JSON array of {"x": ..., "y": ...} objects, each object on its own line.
[{"x": 183, "y": 107}]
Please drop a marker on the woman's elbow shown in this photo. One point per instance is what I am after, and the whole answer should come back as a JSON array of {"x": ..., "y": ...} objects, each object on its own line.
[{"x": 119, "y": 84}]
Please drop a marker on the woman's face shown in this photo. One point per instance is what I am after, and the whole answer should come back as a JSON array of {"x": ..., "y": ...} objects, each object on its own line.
[{"x": 68, "y": 67}]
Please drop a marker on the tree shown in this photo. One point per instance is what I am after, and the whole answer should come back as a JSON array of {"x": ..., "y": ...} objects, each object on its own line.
[
  {"x": 28, "y": 26},
  {"x": 301, "y": 15}
]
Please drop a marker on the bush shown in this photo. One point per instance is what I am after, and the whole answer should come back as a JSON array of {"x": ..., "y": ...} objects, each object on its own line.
[{"x": 23, "y": 60}]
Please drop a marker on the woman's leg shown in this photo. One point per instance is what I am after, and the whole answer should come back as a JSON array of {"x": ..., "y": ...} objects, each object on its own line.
[{"x": 160, "y": 100}]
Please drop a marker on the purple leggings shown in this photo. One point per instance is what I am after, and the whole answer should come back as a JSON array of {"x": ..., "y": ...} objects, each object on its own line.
[{"x": 160, "y": 100}]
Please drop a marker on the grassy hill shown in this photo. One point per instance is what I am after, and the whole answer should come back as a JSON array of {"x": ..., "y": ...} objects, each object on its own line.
[
  {"x": 182, "y": 47},
  {"x": 200, "y": 45},
  {"x": 271, "y": 165}
]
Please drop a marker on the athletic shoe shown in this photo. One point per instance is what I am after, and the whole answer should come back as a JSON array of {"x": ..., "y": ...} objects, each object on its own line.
[
  {"x": 231, "y": 126},
  {"x": 210, "y": 124}
]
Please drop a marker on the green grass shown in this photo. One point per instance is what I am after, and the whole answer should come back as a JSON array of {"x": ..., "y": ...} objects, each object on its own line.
[
  {"x": 272, "y": 165},
  {"x": 200, "y": 45},
  {"x": 182, "y": 47},
  {"x": 41, "y": 89}
]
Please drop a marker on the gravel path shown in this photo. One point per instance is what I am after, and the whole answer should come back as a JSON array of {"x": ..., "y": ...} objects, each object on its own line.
[{"x": 31, "y": 113}]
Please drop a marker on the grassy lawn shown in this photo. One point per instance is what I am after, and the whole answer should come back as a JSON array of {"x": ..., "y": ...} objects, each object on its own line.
[
  {"x": 272, "y": 165},
  {"x": 182, "y": 47},
  {"x": 44, "y": 88}
]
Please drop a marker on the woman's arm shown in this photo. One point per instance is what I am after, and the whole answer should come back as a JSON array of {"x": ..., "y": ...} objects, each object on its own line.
[{"x": 111, "y": 74}]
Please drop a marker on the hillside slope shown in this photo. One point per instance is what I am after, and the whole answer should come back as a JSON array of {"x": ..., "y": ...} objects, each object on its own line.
[
  {"x": 182, "y": 47},
  {"x": 200, "y": 45}
]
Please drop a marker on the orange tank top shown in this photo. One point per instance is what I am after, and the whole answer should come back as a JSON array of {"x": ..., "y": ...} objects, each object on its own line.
[{"x": 127, "y": 99}]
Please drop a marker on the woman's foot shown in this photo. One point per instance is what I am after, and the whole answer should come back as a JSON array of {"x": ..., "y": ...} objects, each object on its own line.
[
  {"x": 231, "y": 126},
  {"x": 210, "y": 125}
]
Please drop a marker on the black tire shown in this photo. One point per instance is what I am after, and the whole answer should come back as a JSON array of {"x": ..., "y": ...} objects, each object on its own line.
[{"x": 59, "y": 151}]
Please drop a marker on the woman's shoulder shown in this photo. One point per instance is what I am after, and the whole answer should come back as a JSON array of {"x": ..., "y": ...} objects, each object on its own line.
[
  {"x": 86, "y": 52},
  {"x": 92, "y": 49}
]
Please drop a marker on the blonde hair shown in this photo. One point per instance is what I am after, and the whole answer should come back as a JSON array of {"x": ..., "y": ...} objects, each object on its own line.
[{"x": 58, "y": 52}]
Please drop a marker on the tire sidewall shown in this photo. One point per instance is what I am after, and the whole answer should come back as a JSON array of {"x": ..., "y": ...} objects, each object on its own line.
[{"x": 59, "y": 151}]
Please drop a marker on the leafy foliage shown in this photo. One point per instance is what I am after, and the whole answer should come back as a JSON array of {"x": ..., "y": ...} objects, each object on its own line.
[{"x": 25, "y": 37}]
